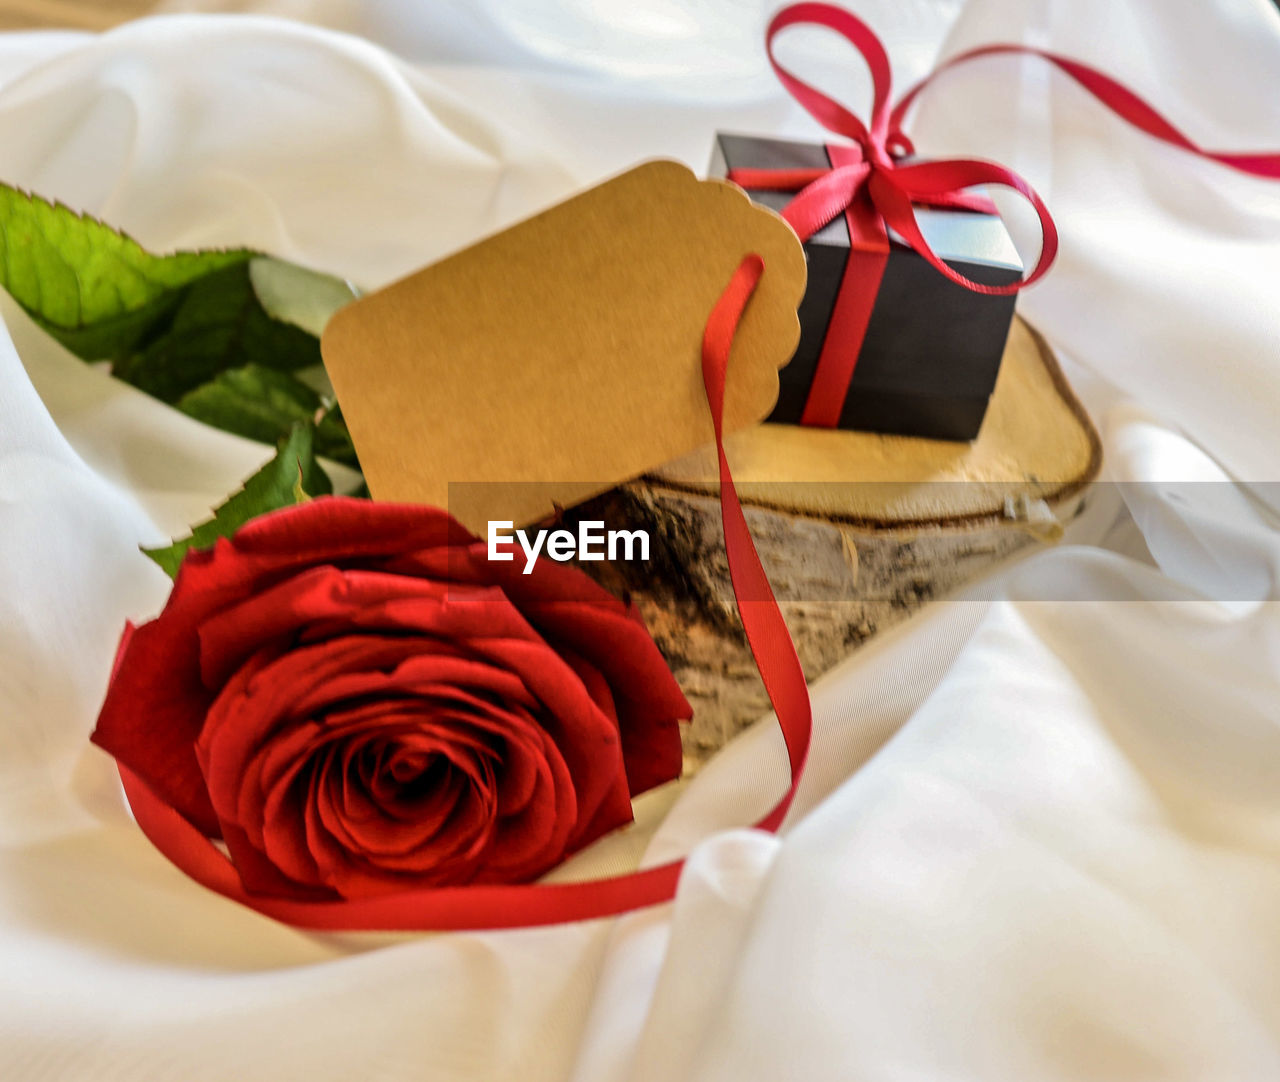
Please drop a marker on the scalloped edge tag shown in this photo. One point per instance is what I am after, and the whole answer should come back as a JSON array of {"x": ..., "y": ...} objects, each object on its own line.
[{"x": 562, "y": 356}]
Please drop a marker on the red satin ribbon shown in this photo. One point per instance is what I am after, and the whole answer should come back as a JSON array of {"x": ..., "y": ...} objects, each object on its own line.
[
  {"x": 1115, "y": 96},
  {"x": 871, "y": 186},
  {"x": 868, "y": 183},
  {"x": 458, "y": 908}
]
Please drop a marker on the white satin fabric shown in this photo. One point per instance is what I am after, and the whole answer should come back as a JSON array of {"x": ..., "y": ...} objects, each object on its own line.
[{"x": 1040, "y": 835}]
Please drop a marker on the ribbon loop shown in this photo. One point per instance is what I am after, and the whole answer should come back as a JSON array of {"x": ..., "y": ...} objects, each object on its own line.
[
  {"x": 899, "y": 145},
  {"x": 892, "y": 184},
  {"x": 824, "y": 109},
  {"x": 933, "y": 182}
]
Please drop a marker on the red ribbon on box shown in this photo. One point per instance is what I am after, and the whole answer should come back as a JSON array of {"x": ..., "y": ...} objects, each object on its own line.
[{"x": 875, "y": 189}]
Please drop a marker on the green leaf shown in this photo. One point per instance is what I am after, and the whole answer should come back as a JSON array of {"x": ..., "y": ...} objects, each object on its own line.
[
  {"x": 93, "y": 288},
  {"x": 300, "y": 494},
  {"x": 214, "y": 332},
  {"x": 291, "y": 473},
  {"x": 297, "y": 295},
  {"x": 263, "y": 404},
  {"x": 219, "y": 323},
  {"x": 259, "y": 403}
]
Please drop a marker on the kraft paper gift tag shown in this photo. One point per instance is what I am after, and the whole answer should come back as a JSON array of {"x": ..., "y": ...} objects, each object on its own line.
[{"x": 560, "y": 357}]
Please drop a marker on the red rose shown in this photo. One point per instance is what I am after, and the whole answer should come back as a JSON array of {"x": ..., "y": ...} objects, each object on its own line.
[{"x": 356, "y": 702}]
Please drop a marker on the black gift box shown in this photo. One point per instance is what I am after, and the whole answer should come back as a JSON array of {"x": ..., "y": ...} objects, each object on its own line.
[{"x": 932, "y": 348}]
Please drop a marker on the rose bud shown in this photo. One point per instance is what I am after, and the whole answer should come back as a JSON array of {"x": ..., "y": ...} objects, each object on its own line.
[{"x": 354, "y": 700}]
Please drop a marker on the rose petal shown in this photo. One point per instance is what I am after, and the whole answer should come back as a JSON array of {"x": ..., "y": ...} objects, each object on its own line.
[
  {"x": 152, "y": 714},
  {"x": 588, "y": 739},
  {"x": 264, "y": 696},
  {"x": 260, "y": 875},
  {"x": 574, "y": 613},
  {"x": 338, "y": 529}
]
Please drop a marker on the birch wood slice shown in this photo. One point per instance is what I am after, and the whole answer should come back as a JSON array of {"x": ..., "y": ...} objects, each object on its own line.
[{"x": 856, "y": 531}]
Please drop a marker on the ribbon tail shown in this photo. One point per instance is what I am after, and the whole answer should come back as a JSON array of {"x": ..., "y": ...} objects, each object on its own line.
[
  {"x": 1113, "y": 94},
  {"x": 766, "y": 630}
]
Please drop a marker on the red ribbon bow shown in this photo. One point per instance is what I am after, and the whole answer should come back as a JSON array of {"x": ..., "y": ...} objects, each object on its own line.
[{"x": 871, "y": 185}]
